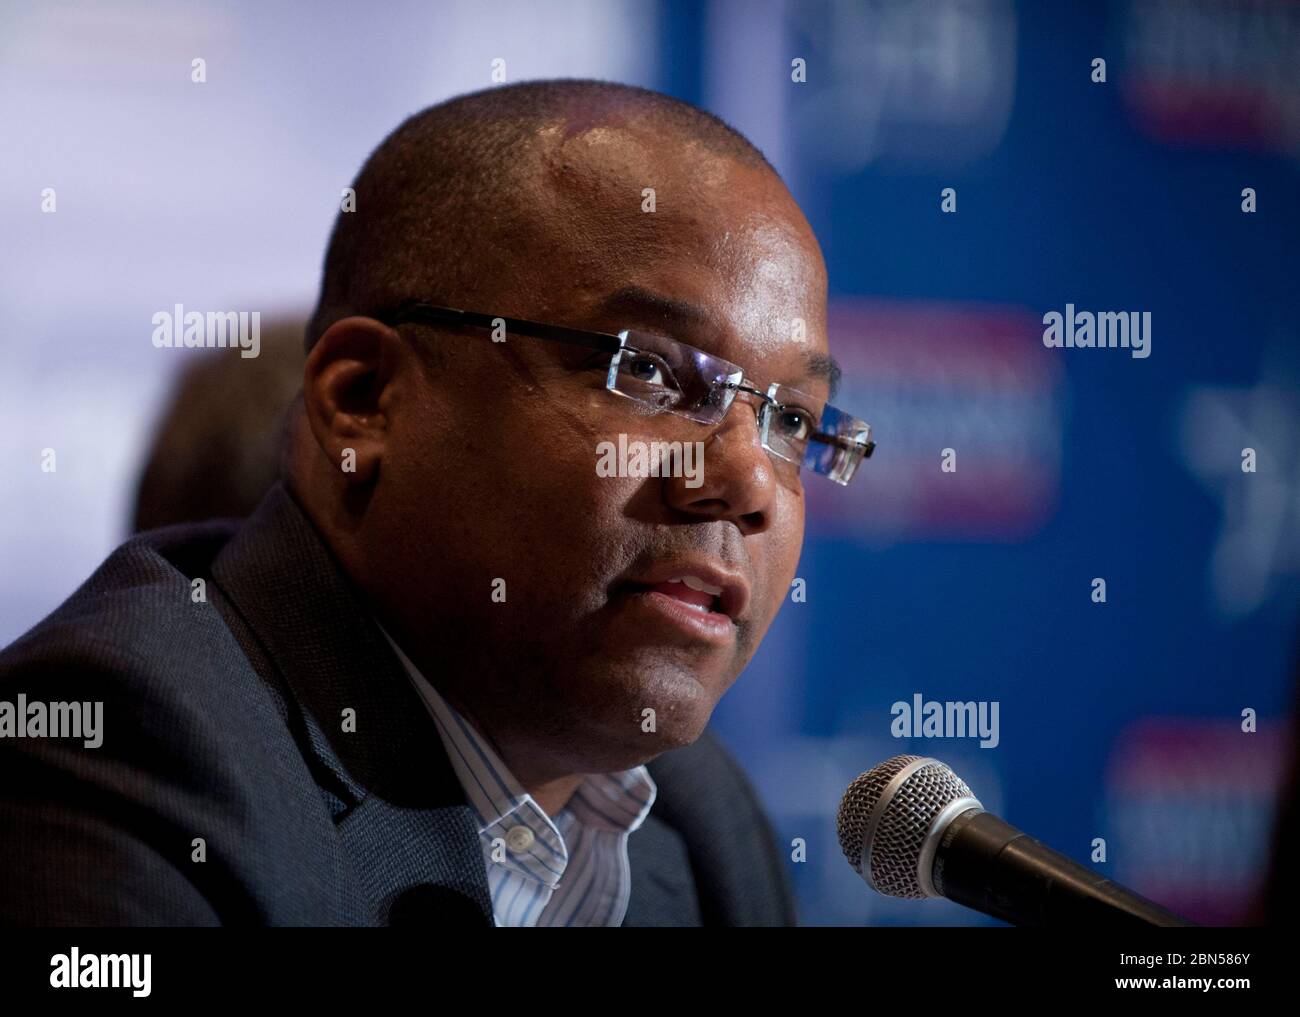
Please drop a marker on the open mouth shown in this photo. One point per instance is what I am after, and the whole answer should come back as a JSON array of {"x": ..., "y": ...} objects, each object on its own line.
[
  {"x": 690, "y": 592},
  {"x": 687, "y": 604},
  {"x": 698, "y": 597}
]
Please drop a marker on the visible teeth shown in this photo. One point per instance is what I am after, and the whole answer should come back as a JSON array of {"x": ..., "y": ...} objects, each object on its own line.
[{"x": 698, "y": 584}]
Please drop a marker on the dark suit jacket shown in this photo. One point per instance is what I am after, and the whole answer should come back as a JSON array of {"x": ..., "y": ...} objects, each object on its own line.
[{"x": 223, "y": 721}]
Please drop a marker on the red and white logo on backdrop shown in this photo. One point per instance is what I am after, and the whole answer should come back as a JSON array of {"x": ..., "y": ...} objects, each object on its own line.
[
  {"x": 931, "y": 376},
  {"x": 1190, "y": 804}
]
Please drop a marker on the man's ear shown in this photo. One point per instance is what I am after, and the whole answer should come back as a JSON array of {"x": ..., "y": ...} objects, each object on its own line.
[{"x": 344, "y": 385}]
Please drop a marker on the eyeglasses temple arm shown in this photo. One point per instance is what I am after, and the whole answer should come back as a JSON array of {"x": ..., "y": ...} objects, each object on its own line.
[
  {"x": 834, "y": 439},
  {"x": 429, "y": 314}
]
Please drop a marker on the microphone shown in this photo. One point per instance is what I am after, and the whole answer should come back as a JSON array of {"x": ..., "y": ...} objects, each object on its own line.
[{"x": 912, "y": 828}]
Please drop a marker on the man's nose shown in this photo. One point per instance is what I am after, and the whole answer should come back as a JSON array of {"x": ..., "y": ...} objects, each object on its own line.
[{"x": 736, "y": 477}]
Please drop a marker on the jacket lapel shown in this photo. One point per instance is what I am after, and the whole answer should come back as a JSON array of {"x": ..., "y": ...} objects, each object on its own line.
[
  {"x": 663, "y": 891},
  {"x": 400, "y": 812}
]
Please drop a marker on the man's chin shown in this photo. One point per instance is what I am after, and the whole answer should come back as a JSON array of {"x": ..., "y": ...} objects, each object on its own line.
[
  {"x": 666, "y": 704},
  {"x": 645, "y": 746}
]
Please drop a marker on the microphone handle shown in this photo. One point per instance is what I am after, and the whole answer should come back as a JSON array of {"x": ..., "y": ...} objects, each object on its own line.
[{"x": 989, "y": 865}]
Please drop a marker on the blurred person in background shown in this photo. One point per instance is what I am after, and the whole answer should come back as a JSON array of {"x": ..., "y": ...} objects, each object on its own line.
[{"x": 216, "y": 448}]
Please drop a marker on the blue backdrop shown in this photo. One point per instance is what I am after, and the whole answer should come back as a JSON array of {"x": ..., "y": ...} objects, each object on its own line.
[{"x": 1119, "y": 720}]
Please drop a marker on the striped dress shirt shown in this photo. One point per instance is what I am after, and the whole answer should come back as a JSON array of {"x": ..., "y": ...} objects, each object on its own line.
[{"x": 572, "y": 870}]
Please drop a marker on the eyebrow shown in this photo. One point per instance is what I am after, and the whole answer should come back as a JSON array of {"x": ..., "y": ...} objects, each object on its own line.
[
  {"x": 672, "y": 311},
  {"x": 823, "y": 365},
  {"x": 636, "y": 300}
]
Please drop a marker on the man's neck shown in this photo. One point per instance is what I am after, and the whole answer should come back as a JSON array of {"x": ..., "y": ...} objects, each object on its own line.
[
  {"x": 552, "y": 796},
  {"x": 550, "y": 791}
]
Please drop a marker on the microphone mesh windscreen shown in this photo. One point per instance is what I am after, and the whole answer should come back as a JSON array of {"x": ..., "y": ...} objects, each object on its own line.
[{"x": 895, "y": 850}]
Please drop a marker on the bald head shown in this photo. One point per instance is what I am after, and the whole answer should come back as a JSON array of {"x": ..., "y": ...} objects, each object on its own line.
[{"x": 455, "y": 202}]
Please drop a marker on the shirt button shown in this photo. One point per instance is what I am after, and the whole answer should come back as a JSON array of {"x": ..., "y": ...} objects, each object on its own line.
[{"x": 519, "y": 838}]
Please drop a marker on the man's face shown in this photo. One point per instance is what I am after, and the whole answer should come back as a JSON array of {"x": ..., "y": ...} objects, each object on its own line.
[{"x": 491, "y": 470}]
